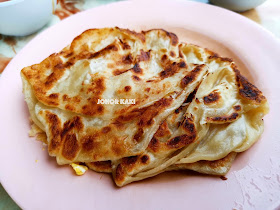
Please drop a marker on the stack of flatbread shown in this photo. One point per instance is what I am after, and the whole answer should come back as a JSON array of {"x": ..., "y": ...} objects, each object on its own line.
[{"x": 193, "y": 109}]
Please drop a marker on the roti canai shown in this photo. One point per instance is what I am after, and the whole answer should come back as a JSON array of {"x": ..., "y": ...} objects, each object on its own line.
[{"x": 172, "y": 105}]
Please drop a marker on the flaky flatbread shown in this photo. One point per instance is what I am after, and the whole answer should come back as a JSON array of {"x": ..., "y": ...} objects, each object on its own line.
[
  {"x": 62, "y": 93},
  {"x": 192, "y": 109}
]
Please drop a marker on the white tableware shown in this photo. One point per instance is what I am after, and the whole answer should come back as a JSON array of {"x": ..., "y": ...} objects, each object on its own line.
[
  {"x": 24, "y": 17},
  {"x": 238, "y": 5}
]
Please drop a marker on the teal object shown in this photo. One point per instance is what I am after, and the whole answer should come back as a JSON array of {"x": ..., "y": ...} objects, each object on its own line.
[{"x": 6, "y": 203}]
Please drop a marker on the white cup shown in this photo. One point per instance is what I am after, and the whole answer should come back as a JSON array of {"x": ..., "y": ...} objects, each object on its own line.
[
  {"x": 238, "y": 5},
  {"x": 24, "y": 17}
]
